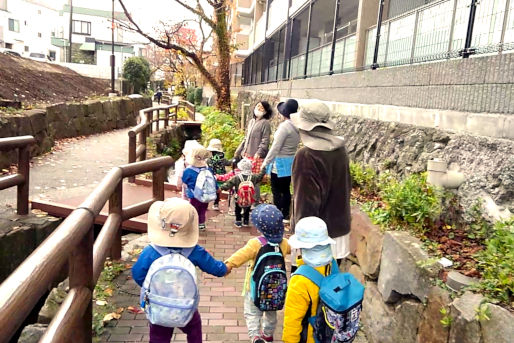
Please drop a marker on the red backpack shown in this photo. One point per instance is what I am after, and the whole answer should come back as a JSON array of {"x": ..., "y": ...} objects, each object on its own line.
[{"x": 245, "y": 192}]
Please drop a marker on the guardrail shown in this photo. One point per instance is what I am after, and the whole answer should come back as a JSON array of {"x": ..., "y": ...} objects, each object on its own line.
[
  {"x": 189, "y": 108},
  {"x": 21, "y": 178},
  {"x": 73, "y": 242}
]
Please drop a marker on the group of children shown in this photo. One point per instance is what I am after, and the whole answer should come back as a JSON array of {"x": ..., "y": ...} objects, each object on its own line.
[{"x": 166, "y": 273}]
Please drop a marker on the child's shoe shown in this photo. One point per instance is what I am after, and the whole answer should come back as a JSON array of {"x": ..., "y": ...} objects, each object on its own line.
[
  {"x": 231, "y": 212},
  {"x": 238, "y": 223},
  {"x": 258, "y": 339},
  {"x": 201, "y": 227},
  {"x": 246, "y": 224},
  {"x": 266, "y": 338},
  {"x": 216, "y": 207}
]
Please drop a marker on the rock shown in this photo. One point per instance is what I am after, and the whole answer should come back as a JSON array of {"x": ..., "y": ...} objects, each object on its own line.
[
  {"x": 32, "y": 333},
  {"x": 356, "y": 271},
  {"x": 366, "y": 243},
  {"x": 37, "y": 120},
  {"x": 500, "y": 327},
  {"x": 456, "y": 281},
  {"x": 53, "y": 302},
  {"x": 407, "y": 318},
  {"x": 430, "y": 328},
  {"x": 405, "y": 268},
  {"x": 465, "y": 328}
]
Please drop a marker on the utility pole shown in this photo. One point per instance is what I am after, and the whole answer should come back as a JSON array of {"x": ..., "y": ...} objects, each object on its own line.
[
  {"x": 469, "y": 34},
  {"x": 377, "y": 42},
  {"x": 112, "y": 51},
  {"x": 71, "y": 30}
]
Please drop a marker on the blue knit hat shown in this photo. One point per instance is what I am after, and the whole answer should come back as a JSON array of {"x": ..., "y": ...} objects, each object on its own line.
[{"x": 269, "y": 221}]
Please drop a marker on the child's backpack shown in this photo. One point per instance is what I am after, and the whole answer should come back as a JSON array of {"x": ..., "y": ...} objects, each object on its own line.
[
  {"x": 205, "y": 186},
  {"x": 169, "y": 295},
  {"x": 245, "y": 192},
  {"x": 339, "y": 306},
  {"x": 217, "y": 163},
  {"x": 268, "y": 282}
]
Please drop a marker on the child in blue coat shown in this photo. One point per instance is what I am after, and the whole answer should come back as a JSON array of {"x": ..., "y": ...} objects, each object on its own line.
[{"x": 173, "y": 224}]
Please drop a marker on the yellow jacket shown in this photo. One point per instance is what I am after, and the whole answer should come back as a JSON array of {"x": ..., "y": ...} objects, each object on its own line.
[
  {"x": 248, "y": 253},
  {"x": 300, "y": 293}
]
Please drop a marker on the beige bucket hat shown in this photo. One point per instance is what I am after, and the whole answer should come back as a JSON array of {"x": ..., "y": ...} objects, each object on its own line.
[
  {"x": 215, "y": 145},
  {"x": 198, "y": 157},
  {"x": 173, "y": 223},
  {"x": 312, "y": 114}
]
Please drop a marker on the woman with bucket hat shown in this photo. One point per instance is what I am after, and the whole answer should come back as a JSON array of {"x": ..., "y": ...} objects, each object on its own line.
[
  {"x": 280, "y": 157},
  {"x": 321, "y": 175}
]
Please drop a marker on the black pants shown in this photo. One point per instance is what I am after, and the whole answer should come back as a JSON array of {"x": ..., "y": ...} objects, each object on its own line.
[
  {"x": 217, "y": 201},
  {"x": 281, "y": 193},
  {"x": 245, "y": 215}
]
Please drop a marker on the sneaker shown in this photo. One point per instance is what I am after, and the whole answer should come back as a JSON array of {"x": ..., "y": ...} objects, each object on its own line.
[
  {"x": 258, "y": 339},
  {"x": 238, "y": 223},
  {"x": 201, "y": 227},
  {"x": 246, "y": 224},
  {"x": 216, "y": 207},
  {"x": 266, "y": 338}
]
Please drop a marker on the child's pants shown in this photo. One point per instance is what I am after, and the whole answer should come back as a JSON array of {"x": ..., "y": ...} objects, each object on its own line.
[
  {"x": 193, "y": 330},
  {"x": 254, "y": 317},
  {"x": 201, "y": 208},
  {"x": 245, "y": 213}
]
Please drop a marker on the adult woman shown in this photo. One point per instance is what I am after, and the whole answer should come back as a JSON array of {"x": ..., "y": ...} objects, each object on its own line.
[
  {"x": 321, "y": 175},
  {"x": 257, "y": 136},
  {"x": 281, "y": 155}
]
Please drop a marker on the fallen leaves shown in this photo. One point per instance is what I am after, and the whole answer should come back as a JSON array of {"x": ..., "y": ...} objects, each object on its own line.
[
  {"x": 135, "y": 310},
  {"x": 113, "y": 315}
]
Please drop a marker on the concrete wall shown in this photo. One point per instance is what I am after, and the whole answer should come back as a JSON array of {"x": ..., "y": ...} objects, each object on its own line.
[{"x": 69, "y": 120}]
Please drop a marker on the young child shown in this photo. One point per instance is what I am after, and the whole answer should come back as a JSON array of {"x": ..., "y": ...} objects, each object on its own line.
[
  {"x": 197, "y": 160},
  {"x": 245, "y": 166},
  {"x": 181, "y": 164},
  {"x": 173, "y": 224},
  {"x": 224, "y": 178},
  {"x": 311, "y": 236},
  {"x": 268, "y": 220},
  {"x": 217, "y": 163}
]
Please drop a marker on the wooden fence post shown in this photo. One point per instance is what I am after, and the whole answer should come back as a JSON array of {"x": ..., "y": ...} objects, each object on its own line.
[
  {"x": 144, "y": 134},
  {"x": 23, "y": 189},
  {"x": 81, "y": 275},
  {"x": 132, "y": 152},
  {"x": 116, "y": 206},
  {"x": 158, "y": 178},
  {"x": 158, "y": 120},
  {"x": 166, "y": 117},
  {"x": 176, "y": 113}
]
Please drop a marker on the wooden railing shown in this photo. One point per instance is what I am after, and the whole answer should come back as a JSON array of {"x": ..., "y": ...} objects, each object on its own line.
[
  {"x": 189, "y": 108},
  {"x": 73, "y": 242},
  {"x": 21, "y": 178}
]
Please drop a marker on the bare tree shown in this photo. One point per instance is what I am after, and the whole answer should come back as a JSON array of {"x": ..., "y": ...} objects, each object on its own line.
[{"x": 220, "y": 78}]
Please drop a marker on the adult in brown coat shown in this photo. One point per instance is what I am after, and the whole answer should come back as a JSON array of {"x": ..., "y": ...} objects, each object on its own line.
[{"x": 321, "y": 175}]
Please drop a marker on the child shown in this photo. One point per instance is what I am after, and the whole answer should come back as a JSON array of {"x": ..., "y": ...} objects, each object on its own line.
[
  {"x": 173, "y": 224},
  {"x": 217, "y": 163},
  {"x": 311, "y": 236},
  {"x": 181, "y": 165},
  {"x": 225, "y": 178},
  {"x": 245, "y": 165},
  {"x": 268, "y": 220},
  {"x": 197, "y": 160}
]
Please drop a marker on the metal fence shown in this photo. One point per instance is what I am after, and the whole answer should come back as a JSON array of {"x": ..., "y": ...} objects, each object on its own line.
[{"x": 438, "y": 31}]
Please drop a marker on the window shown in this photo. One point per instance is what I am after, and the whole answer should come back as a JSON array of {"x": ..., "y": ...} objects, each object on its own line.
[
  {"x": 52, "y": 55},
  {"x": 39, "y": 34},
  {"x": 26, "y": 48},
  {"x": 81, "y": 27},
  {"x": 8, "y": 45},
  {"x": 14, "y": 25}
]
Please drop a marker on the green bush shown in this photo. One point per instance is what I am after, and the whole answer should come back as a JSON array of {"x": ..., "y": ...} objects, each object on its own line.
[
  {"x": 411, "y": 201},
  {"x": 190, "y": 95},
  {"x": 221, "y": 125},
  {"x": 496, "y": 263},
  {"x": 136, "y": 70},
  {"x": 363, "y": 177},
  {"x": 198, "y": 96}
]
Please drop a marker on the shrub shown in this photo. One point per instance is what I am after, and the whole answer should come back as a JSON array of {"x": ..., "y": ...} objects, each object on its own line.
[
  {"x": 363, "y": 177},
  {"x": 198, "y": 96},
  {"x": 137, "y": 72},
  {"x": 411, "y": 201},
  {"x": 496, "y": 263},
  {"x": 221, "y": 125},
  {"x": 190, "y": 95}
]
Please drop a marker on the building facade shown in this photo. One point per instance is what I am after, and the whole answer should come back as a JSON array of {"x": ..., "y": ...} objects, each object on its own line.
[{"x": 292, "y": 39}]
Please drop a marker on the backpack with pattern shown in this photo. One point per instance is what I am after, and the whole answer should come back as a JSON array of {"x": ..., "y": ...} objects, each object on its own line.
[
  {"x": 245, "y": 192},
  {"x": 268, "y": 282},
  {"x": 205, "y": 186}
]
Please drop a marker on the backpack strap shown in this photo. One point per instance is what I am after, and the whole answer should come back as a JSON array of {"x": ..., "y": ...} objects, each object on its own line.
[
  {"x": 310, "y": 273},
  {"x": 335, "y": 267},
  {"x": 166, "y": 251}
]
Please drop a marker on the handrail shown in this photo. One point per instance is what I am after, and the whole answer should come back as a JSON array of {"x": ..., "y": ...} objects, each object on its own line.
[
  {"x": 72, "y": 241},
  {"x": 20, "y": 179},
  {"x": 189, "y": 107}
]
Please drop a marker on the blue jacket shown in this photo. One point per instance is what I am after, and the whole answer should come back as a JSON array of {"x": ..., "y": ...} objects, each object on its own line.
[
  {"x": 189, "y": 178},
  {"x": 199, "y": 257}
]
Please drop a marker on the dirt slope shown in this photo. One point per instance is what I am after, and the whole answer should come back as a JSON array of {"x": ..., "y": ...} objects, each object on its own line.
[{"x": 36, "y": 82}]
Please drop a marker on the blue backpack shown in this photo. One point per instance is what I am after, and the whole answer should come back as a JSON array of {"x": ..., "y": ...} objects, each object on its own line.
[
  {"x": 339, "y": 306},
  {"x": 205, "y": 186},
  {"x": 268, "y": 282},
  {"x": 169, "y": 295}
]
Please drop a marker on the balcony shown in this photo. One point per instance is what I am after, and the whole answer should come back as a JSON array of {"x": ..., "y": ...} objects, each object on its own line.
[{"x": 245, "y": 8}]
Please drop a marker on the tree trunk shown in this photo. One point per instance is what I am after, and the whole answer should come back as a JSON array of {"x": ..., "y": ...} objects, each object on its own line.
[{"x": 223, "y": 71}]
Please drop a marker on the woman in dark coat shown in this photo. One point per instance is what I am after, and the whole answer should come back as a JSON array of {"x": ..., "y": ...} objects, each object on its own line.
[{"x": 321, "y": 175}]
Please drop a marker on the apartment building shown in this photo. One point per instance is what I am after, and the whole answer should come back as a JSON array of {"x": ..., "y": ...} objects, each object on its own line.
[{"x": 291, "y": 39}]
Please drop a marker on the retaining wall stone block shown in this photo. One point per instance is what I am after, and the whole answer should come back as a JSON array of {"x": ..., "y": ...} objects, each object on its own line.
[
  {"x": 430, "y": 328},
  {"x": 465, "y": 328},
  {"x": 500, "y": 327}
]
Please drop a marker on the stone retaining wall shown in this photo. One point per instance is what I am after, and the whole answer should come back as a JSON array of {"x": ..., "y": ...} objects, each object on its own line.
[
  {"x": 69, "y": 120},
  {"x": 402, "y": 302}
]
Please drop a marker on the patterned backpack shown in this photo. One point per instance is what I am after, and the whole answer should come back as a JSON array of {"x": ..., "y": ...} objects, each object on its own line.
[
  {"x": 268, "y": 282},
  {"x": 245, "y": 192},
  {"x": 169, "y": 295},
  {"x": 205, "y": 186},
  {"x": 339, "y": 306}
]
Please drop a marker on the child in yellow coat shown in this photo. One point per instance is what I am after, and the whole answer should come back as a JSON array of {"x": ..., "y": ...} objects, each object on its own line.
[
  {"x": 312, "y": 238},
  {"x": 269, "y": 221}
]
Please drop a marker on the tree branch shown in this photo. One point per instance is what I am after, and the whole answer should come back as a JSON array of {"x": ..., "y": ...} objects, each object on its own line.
[{"x": 198, "y": 11}]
